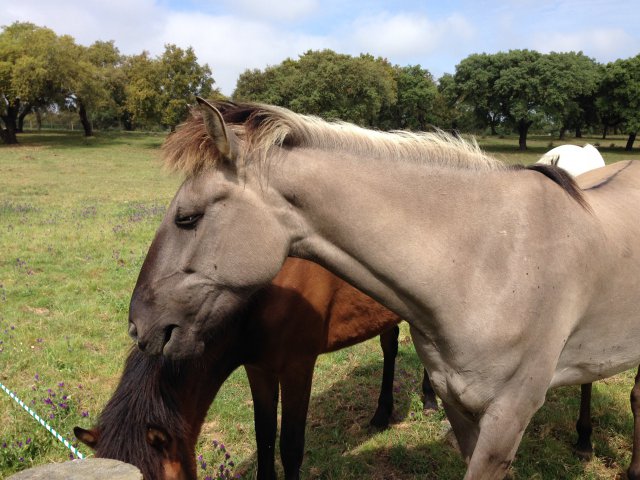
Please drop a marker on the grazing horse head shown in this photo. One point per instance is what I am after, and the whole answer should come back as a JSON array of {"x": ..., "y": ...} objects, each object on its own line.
[{"x": 154, "y": 417}]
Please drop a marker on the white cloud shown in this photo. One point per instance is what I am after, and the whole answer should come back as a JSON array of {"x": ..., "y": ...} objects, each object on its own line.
[
  {"x": 281, "y": 10},
  {"x": 231, "y": 44},
  {"x": 602, "y": 43},
  {"x": 133, "y": 25},
  {"x": 407, "y": 35}
]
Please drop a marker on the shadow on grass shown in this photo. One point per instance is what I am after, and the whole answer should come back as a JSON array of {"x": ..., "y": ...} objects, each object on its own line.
[{"x": 340, "y": 443}]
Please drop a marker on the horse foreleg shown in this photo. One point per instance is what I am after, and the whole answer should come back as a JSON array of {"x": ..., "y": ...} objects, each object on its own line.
[
  {"x": 389, "y": 344},
  {"x": 501, "y": 427},
  {"x": 296, "y": 391},
  {"x": 634, "y": 469},
  {"x": 429, "y": 401},
  {"x": 583, "y": 447},
  {"x": 264, "y": 390},
  {"x": 466, "y": 431}
]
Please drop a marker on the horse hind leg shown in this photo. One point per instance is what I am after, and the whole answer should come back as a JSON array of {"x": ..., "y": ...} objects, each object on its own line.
[
  {"x": 429, "y": 401},
  {"x": 389, "y": 344},
  {"x": 583, "y": 447},
  {"x": 633, "y": 473}
]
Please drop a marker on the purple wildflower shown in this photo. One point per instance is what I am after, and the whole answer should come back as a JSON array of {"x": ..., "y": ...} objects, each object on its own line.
[
  {"x": 85, "y": 413},
  {"x": 28, "y": 440}
]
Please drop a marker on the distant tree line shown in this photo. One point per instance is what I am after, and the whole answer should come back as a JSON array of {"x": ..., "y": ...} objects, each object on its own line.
[
  {"x": 501, "y": 93},
  {"x": 42, "y": 72}
]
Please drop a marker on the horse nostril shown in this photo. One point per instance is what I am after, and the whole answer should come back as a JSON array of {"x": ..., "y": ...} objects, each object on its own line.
[
  {"x": 168, "y": 331},
  {"x": 133, "y": 331},
  {"x": 142, "y": 345}
]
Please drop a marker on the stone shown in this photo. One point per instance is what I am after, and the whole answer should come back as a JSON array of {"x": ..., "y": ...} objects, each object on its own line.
[{"x": 86, "y": 469}]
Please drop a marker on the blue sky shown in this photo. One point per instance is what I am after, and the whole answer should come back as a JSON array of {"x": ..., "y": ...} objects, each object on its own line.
[{"x": 233, "y": 35}]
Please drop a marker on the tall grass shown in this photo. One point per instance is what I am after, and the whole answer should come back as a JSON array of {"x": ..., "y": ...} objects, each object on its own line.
[{"x": 76, "y": 218}]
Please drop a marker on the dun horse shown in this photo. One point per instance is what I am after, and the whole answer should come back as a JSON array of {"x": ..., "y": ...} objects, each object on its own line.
[
  {"x": 155, "y": 415},
  {"x": 514, "y": 281}
]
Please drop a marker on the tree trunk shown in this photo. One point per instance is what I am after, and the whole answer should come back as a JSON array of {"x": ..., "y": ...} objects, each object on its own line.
[
  {"x": 578, "y": 132},
  {"x": 605, "y": 131},
  {"x": 630, "y": 140},
  {"x": 84, "y": 119},
  {"x": 9, "y": 136},
  {"x": 38, "y": 119},
  {"x": 562, "y": 132},
  {"x": 25, "y": 111},
  {"x": 523, "y": 129}
]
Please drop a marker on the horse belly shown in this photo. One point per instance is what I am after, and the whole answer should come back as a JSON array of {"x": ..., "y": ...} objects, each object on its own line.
[{"x": 598, "y": 351}]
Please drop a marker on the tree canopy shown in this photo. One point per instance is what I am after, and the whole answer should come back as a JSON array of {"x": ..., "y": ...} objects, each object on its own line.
[
  {"x": 500, "y": 92},
  {"x": 41, "y": 70}
]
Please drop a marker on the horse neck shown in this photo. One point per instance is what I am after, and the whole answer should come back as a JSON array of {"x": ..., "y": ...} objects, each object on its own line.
[
  {"x": 200, "y": 383},
  {"x": 354, "y": 210}
]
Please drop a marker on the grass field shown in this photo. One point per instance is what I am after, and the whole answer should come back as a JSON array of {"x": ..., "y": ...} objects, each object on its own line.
[{"x": 76, "y": 218}]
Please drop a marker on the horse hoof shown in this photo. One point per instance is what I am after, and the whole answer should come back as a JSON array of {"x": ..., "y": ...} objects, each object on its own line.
[
  {"x": 429, "y": 407},
  {"x": 380, "y": 422},
  {"x": 451, "y": 439},
  {"x": 585, "y": 454},
  {"x": 633, "y": 473}
]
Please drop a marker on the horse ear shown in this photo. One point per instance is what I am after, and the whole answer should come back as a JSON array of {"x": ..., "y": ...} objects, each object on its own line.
[
  {"x": 88, "y": 437},
  {"x": 157, "y": 438},
  {"x": 223, "y": 139}
]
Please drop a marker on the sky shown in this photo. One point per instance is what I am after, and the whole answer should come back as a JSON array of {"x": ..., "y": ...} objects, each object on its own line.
[{"x": 232, "y": 36}]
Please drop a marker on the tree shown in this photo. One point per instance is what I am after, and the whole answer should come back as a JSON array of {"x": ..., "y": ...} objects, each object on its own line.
[
  {"x": 158, "y": 90},
  {"x": 414, "y": 108},
  {"x": 520, "y": 90},
  {"x": 475, "y": 86},
  {"x": 27, "y": 78},
  {"x": 325, "y": 83},
  {"x": 568, "y": 82},
  {"x": 618, "y": 101},
  {"x": 181, "y": 79}
]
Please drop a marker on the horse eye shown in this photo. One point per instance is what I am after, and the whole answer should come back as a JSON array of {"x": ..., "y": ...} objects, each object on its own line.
[{"x": 187, "y": 221}]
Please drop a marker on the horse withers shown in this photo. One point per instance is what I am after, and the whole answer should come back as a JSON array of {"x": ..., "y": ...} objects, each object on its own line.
[
  {"x": 514, "y": 281},
  {"x": 154, "y": 417}
]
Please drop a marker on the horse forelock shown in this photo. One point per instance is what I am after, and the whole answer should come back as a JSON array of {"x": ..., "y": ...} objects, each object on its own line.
[
  {"x": 262, "y": 128},
  {"x": 144, "y": 397}
]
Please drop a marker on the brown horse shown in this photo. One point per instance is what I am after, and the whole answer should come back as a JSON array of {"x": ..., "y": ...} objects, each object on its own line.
[{"x": 159, "y": 406}]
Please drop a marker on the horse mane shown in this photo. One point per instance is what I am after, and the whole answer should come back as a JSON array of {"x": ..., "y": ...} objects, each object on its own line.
[
  {"x": 144, "y": 397},
  {"x": 262, "y": 128},
  {"x": 563, "y": 179}
]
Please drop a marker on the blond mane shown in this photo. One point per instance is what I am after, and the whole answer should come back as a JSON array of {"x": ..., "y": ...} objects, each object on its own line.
[{"x": 263, "y": 128}]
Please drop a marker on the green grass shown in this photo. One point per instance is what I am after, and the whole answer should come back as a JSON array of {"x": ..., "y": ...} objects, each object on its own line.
[{"x": 76, "y": 218}]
